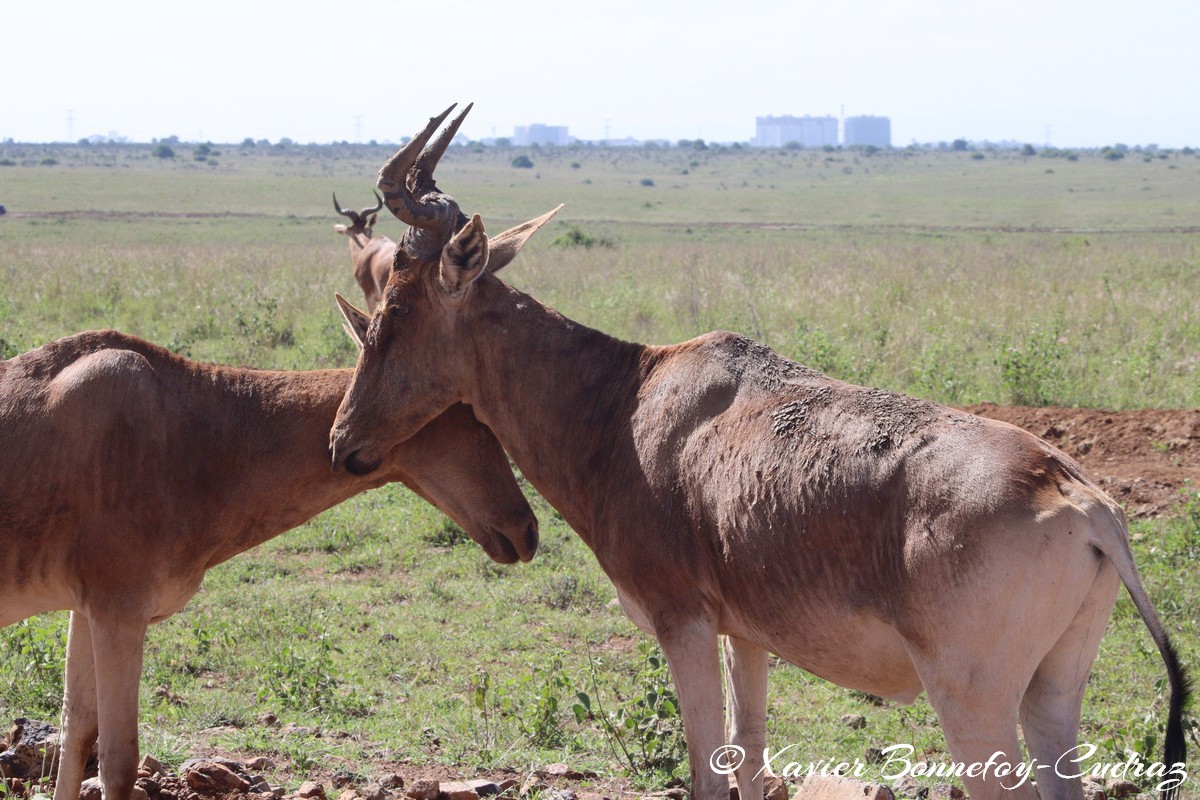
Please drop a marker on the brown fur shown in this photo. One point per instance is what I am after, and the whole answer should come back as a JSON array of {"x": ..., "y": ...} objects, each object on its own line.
[
  {"x": 130, "y": 471},
  {"x": 372, "y": 257},
  {"x": 887, "y": 544},
  {"x": 870, "y": 538}
]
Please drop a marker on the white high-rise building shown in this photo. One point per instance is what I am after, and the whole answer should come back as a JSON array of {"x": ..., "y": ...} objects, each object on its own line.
[
  {"x": 868, "y": 130},
  {"x": 805, "y": 131},
  {"x": 526, "y": 135}
]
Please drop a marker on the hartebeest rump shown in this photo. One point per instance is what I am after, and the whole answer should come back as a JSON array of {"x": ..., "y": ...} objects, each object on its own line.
[
  {"x": 372, "y": 255},
  {"x": 884, "y": 543},
  {"x": 129, "y": 471}
]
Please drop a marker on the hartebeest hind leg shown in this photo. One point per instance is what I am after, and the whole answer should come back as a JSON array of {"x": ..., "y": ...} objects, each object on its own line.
[
  {"x": 1051, "y": 707},
  {"x": 79, "y": 718},
  {"x": 979, "y": 718},
  {"x": 746, "y": 715},
  {"x": 118, "y": 637},
  {"x": 692, "y": 654}
]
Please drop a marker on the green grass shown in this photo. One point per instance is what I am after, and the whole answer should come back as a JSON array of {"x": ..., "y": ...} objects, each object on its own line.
[{"x": 1007, "y": 278}]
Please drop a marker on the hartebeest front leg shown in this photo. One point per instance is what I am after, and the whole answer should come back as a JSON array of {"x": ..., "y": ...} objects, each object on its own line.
[
  {"x": 692, "y": 655},
  {"x": 118, "y": 639},
  {"x": 79, "y": 719},
  {"x": 746, "y": 682}
]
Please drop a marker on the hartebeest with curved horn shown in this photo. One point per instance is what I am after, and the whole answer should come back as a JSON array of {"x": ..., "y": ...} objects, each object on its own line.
[
  {"x": 129, "y": 471},
  {"x": 884, "y": 543},
  {"x": 372, "y": 255}
]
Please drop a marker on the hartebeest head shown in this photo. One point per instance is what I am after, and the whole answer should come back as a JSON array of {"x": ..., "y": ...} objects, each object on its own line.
[
  {"x": 438, "y": 260},
  {"x": 361, "y": 222}
]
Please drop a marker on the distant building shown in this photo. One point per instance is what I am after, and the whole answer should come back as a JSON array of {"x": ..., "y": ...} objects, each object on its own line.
[
  {"x": 863, "y": 131},
  {"x": 526, "y": 135},
  {"x": 805, "y": 131}
]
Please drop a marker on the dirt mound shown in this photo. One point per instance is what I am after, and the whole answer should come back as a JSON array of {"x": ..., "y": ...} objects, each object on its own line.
[{"x": 1144, "y": 459}]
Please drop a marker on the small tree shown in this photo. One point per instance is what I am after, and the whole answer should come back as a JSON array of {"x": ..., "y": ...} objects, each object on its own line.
[
  {"x": 1028, "y": 150},
  {"x": 163, "y": 151},
  {"x": 522, "y": 162}
]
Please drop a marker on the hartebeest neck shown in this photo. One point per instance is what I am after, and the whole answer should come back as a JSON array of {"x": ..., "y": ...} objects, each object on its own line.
[
  {"x": 559, "y": 397},
  {"x": 277, "y": 475}
]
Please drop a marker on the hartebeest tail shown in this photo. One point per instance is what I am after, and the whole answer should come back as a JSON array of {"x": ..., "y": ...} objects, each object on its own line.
[{"x": 1112, "y": 539}]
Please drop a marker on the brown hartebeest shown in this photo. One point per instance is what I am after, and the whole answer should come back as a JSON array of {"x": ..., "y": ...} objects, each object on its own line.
[
  {"x": 372, "y": 255},
  {"x": 129, "y": 471},
  {"x": 884, "y": 543}
]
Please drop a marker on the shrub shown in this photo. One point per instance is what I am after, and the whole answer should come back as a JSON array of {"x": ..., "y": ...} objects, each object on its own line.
[
  {"x": 575, "y": 237},
  {"x": 162, "y": 151},
  {"x": 647, "y": 181},
  {"x": 1033, "y": 373},
  {"x": 522, "y": 162}
]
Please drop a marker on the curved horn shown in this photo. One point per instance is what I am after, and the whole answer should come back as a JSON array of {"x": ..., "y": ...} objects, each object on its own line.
[
  {"x": 348, "y": 214},
  {"x": 428, "y": 160},
  {"x": 393, "y": 176},
  {"x": 366, "y": 212}
]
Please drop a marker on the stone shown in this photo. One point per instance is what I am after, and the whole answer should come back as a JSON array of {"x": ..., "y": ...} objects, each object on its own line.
[
  {"x": 423, "y": 790},
  {"x": 457, "y": 790},
  {"x": 1094, "y": 791},
  {"x": 90, "y": 789},
  {"x": 32, "y": 750},
  {"x": 392, "y": 781},
  {"x": 311, "y": 790},
  {"x": 834, "y": 787},
  {"x": 775, "y": 788},
  {"x": 854, "y": 721},
  {"x": 211, "y": 777},
  {"x": 907, "y": 787},
  {"x": 258, "y": 764},
  {"x": 152, "y": 765},
  {"x": 1117, "y": 789},
  {"x": 563, "y": 771},
  {"x": 375, "y": 791},
  {"x": 349, "y": 794}
]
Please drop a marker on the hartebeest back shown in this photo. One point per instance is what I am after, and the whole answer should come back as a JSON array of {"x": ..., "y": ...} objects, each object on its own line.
[
  {"x": 129, "y": 471},
  {"x": 372, "y": 255},
  {"x": 884, "y": 543}
]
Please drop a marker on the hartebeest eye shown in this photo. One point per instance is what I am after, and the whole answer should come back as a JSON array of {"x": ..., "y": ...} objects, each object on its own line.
[{"x": 398, "y": 311}]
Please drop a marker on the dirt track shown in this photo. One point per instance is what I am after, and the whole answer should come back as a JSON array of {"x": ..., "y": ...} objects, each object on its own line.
[{"x": 1141, "y": 458}]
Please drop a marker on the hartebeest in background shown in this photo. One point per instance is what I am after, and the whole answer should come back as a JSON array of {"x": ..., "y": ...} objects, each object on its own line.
[
  {"x": 887, "y": 544},
  {"x": 372, "y": 255},
  {"x": 129, "y": 471}
]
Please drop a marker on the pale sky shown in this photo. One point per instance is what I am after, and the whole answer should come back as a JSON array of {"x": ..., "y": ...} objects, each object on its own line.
[{"x": 1068, "y": 72}]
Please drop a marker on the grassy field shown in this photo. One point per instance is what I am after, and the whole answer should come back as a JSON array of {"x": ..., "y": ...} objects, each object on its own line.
[{"x": 1009, "y": 278}]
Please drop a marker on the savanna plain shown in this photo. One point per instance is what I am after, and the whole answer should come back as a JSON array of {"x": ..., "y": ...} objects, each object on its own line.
[{"x": 384, "y": 636}]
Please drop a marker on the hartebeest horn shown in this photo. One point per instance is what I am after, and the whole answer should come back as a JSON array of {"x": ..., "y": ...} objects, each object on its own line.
[
  {"x": 428, "y": 160},
  {"x": 362, "y": 214},
  {"x": 393, "y": 176},
  {"x": 337, "y": 207}
]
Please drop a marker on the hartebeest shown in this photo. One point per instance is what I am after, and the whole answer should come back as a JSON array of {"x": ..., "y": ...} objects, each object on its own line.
[
  {"x": 372, "y": 255},
  {"x": 884, "y": 543},
  {"x": 129, "y": 471}
]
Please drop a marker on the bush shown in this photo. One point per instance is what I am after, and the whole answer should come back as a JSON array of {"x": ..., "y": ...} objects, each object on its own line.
[
  {"x": 647, "y": 181},
  {"x": 575, "y": 237},
  {"x": 163, "y": 151},
  {"x": 522, "y": 162},
  {"x": 1033, "y": 374}
]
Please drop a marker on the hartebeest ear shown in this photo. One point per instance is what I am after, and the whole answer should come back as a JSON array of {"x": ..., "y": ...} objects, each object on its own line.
[
  {"x": 340, "y": 228},
  {"x": 505, "y": 246},
  {"x": 465, "y": 257},
  {"x": 356, "y": 320}
]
